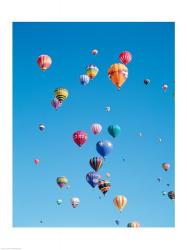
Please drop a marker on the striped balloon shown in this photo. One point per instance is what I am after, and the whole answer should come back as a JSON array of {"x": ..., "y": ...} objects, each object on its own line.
[
  {"x": 44, "y": 62},
  {"x": 84, "y": 79},
  {"x": 104, "y": 186},
  {"x": 133, "y": 224},
  {"x": 125, "y": 57},
  {"x": 61, "y": 94},
  {"x": 96, "y": 128},
  {"x": 96, "y": 163},
  {"x": 120, "y": 202},
  {"x": 92, "y": 70}
]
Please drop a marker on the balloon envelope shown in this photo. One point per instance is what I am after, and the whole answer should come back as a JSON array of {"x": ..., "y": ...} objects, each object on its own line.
[
  {"x": 36, "y": 161},
  {"x": 80, "y": 137},
  {"x": 75, "y": 202},
  {"x": 61, "y": 94},
  {"x": 62, "y": 181},
  {"x": 134, "y": 224},
  {"x": 125, "y": 57},
  {"x": 96, "y": 163},
  {"x": 59, "y": 202},
  {"x": 44, "y": 62},
  {"x": 120, "y": 201},
  {"x": 96, "y": 128},
  {"x": 171, "y": 195},
  {"x": 104, "y": 186},
  {"x": 165, "y": 166},
  {"x": 92, "y": 70},
  {"x": 84, "y": 79},
  {"x": 114, "y": 130},
  {"x": 118, "y": 74},
  {"x": 41, "y": 127},
  {"x": 56, "y": 103},
  {"x": 93, "y": 178},
  {"x": 104, "y": 148}
]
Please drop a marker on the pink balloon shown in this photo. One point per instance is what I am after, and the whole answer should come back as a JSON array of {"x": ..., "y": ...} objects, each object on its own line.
[
  {"x": 96, "y": 128},
  {"x": 56, "y": 103},
  {"x": 36, "y": 161},
  {"x": 164, "y": 87}
]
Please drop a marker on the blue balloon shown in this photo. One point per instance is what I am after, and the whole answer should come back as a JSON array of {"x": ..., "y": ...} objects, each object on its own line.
[
  {"x": 104, "y": 148},
  {"x": 84, "y": 79},
  {"x": 93, "y": 178}
]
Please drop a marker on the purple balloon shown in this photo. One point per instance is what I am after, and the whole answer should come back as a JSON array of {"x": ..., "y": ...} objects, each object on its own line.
[{"x": 93, "y": 178}]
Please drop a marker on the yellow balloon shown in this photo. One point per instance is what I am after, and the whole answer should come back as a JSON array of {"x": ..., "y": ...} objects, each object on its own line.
[
  {"x": 61, "y": 94},
  {"x": 120, "y": 201},
  {"x": 118, "y": 74}
]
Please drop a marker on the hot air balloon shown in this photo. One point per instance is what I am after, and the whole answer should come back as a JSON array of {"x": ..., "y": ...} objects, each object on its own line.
[
  {"x": 59, "y": 202},
  {"x": 125, "y": 57},
  {"x": 93, "y": 178},
  {"x": 117, "y": 222},
  {"x": 159, "y": 179},
  {"x": 120, "y": 202},
  {"x": 80, "y": 137},
  {"x": 94, "y": 52},
  {"x": 160, "y": 139},
  {"x": 104, "y": 148},
  {"x": 140, "y": 134},
  {"x": 147, "y": 81},
  {"x": 75, "y": 202},
  {"x": 62, "y": 181},
  {"x": 168, "y": 184},
  {"x": 84, "y": 79},
  {"x": 56, "y": 103},
  {"x": 92, "y": 71},
  {"x": 107, "y": 109},
  {"x": 165, "y": 166},
  {"x": 36, "y": 161},
  {"x": 164, "y": 87},
  {"x": 133, "y": 224},
  {"x": 171, "y": 195},
  {"x": 61, "y": 94},
  {"x": 44, "y": 62},
  {"x": 104, "y": 186},
  {"x": 41, "y": 127},
  {"x": 118, "y": 74},
  {"x": 96, "y": 128},
  {"x": 108, "y": 175},
  {"x": 164, "y": 193},
  {"x": 114, "y": 130},
  {"x": 96, "y": 163}
]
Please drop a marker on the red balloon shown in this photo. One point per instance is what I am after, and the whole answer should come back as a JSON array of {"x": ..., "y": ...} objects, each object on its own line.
[
  {"x": 125, "y": 57},
  {"x": 36, "y": 161},
  {"x": 80, "y": 137}
]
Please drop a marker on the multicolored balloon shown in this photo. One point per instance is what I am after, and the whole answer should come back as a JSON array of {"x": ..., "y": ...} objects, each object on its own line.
[
  {"x": 61, "y": 94},
  {"x": 94, "y": 52},
  {"x": 56, "y": 103},
  {"x": 44, "y": 62},
  {"x": 41, "y": 127},
  {"x": 96, "y": 163},
  {"x": 80, "y": 137},
  {"x": 75, "y": 202},
  {"x": 125, "y": 57},
  {"x": 164, "y": 87},
  {"x": 133, "y": 224},
  {"x": 114, "y": 130},
  {"x": 147, "y": 81},
  {"x": 120, "y": 201},
  {"x": 118, "y": 74},
  {"x": 165, "y": 166},
  {"x": 36, "y": 161},
  {"x": 62, "y": 181},
  {"x": 84, "y": 79},
  {"x": 59, "y": 202},
  {"x": 104, "y": 186},
  {"x": 92, "y": 70},
  {"x": 104, "y": 148},
  {"x": 96, "y": 128},
  {"x": 171, "y": 195},
  {"x": 93, "y": 178}
]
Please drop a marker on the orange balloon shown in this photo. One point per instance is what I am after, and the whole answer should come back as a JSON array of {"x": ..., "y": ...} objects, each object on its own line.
[{"x": 118, "y": 74}]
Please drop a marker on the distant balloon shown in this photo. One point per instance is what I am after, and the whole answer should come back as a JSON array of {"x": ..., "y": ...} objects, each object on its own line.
[
  {"x": 96, "y": 163},
  {"x": 93, "y": 178},
  {"x": 125, "y": 57},
  {"x": 120, "y": 201},
  {"x": 104, "y": 186},
  {"x": 44, "y": 62},
  {"x": 61, "y": 94},
  {"x": 41, "y": 127},
  {"x": 92, "y": 70},
  {"x": 140, "y": 134},
  {"x": 94, "y": 52},
  {"x": 168, "y": 184},
  {"x": 56, "y": 103},
  {"x": 146, "y": 81},
  {"x": 59, "y": 202},
  {"x": 75, "y": 202},
  {"x": 36, "y": 161},
  {"x": 114, "y": 130},
  {"x": 96, "y": 128},
  {"x": 165, "y": 166},
  {"x": 62, "y": 181},
  {"x": 159, "y": 179},
  {"x": 80, "y": 137},
  {"x": 160, "y": 139},
  {"x": 164, "y": 87},
  {"x": 41, "y": 221},
  {"x": 164, "y": 192},
  {"x": 171, "y": 195},
  {"x": 108, "y": 175},
  {"x": 107, "y": 109},
  {"x": 117, "y": 222},
  {"x": 104, "y": 148},
  {"x": 118, "y": 74},
  {"x": 134, "y": 224},
  {"x": 84, "y": 79}
]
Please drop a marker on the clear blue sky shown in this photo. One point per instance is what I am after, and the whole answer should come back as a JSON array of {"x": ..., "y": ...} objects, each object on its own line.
[{"x": 135, "y": 108}]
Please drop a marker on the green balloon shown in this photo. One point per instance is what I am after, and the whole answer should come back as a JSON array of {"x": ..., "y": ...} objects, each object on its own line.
[{"x": 114, "y": 130}]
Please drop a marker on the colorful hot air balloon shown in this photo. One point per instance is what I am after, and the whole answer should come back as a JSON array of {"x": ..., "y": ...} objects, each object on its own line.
[
  {"x": 108, "y": 175},
  {"x": 120, "y": 202},
  {"x": 61, "y": 94},
  {"x": 94, "y": 52},
  {"x": 44, "y": 62},
  {"x": 93, "y": 178},
  {"x": 75, "y": 202},
  {"x": 104, "y": 186},
  {"x": 59, "y": 202},
  {"x": 36, "y": 161},
  {"x": 92, "y": 71},
  {"x": 107, "y": 109},
  {"x": 165, "y": 166},
  {"x": 164, "y": 87},
  {"x": 84, "y": 79},
  {"x": 171, "y": 195},
  {"x": 80, "y": 137},
  {"x": 56, "y": 103},
  {"x": 134, "y": 224},
  {"x": 118, "y": 74},
  {"x": 147, "y": 81},
  {"x": 125, "y": 57},
  {"x": 96, "y": 128},
  {"x": 62, "y": 181},
  {"x": 41, "y": 127},
  {"x": 96, "y": 163},
  {"x": 104, "y": 148},
  {"x": 114, "y": 130}
]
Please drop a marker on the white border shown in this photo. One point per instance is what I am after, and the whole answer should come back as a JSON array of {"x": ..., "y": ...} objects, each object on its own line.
[{"x": 56, "y": 238}]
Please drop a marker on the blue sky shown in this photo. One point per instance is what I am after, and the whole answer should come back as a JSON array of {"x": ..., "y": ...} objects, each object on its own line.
[{"x": 135, "y": 108}]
